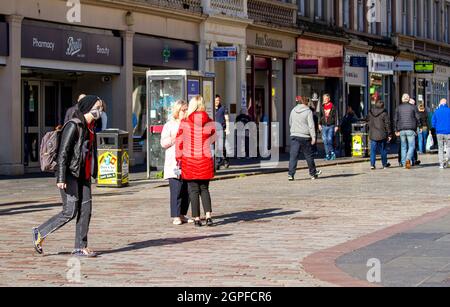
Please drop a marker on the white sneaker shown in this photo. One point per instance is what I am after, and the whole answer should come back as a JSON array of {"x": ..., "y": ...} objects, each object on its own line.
[{"x": 177, "y": 221}]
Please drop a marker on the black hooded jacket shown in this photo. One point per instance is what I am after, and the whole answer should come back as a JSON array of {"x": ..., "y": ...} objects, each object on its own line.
[
  {"x": 72, "y": 150},
  {"x": 379, "y": 124}
]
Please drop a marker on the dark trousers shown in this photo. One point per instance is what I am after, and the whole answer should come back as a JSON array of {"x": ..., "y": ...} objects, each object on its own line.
[
  {"x": 301, "y": 145},
  {"x": 199, "y": 189},
  {"x": 77, "y": 202},
  {"x": 222, "y": 150},
  {"x": 347, "y": 139},
  {"x": 179, "y": 197}
]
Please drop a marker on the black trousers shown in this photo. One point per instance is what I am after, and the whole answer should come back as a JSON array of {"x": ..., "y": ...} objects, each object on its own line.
[
  {"x": 301, "y": 145},
  {"x": 179, "y": 197},
  {"x": 77, "y": 203},
  {"x": 199, "y": 189}
]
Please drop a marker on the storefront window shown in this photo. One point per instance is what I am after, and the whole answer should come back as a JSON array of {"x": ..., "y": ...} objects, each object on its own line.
[
  {"x": 139, "y": 108},
  {"x": 440, "y": 90},
  {"x": 380, "y": 89}
]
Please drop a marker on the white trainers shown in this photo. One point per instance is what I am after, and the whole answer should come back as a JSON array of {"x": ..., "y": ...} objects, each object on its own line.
[{"x": 177, "y": 221}]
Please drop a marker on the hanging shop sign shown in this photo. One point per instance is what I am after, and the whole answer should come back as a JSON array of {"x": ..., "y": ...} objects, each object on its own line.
[
  {"x": 424, "y": 67},
  {"x": 39, "y": 42},
  {"x": 152, "y": 51}
]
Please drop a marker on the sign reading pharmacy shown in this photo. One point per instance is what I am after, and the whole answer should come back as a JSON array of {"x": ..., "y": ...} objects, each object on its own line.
[{"x": 39, "y": 42}]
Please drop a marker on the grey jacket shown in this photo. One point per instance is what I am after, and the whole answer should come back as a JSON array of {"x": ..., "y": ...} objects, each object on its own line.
[{"x": 302, "y": 122}]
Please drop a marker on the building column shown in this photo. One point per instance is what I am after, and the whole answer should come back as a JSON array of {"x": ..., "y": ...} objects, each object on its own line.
[
  {"x": 242, "y": 102},
  {"x": 231, "y": 86},
  {"x": 122, "y": 109},
  {"x": 11, "y": 153},
  {"x": 202, "y": 55},
  {"x": 291, "y": 90}
]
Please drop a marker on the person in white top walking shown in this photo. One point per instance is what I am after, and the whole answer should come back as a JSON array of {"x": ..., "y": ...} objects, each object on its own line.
[{"x": 179, "y": 195}]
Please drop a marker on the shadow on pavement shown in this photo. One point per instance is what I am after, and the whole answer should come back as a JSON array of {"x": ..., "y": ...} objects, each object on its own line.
[
  {"x": 16, "y": 203},
  {"x": 251, "y": 216},
  {"x": 159, "y": 242},
  {"x": 28, "y": 209},
  {"x": 331, "y": 176}
]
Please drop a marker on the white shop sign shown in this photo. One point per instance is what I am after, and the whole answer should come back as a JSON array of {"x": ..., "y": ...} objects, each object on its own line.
[
  {"x": 355, "y": 75},
  {"x": 394, "y": 66},
  {"x": 380, "y": 63}
]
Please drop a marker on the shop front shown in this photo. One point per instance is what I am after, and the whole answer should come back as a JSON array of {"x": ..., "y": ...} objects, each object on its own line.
[
  {"x": 356, "y": 82},
  {"x": 270, "y": 92},
  {"x": 319, "y": 70},
  {"x": 381, "y": 81},
  {"x": 58, "y": 64},
  {"x": 432, "y": 85},
  {"x": 154, "y": 53}
]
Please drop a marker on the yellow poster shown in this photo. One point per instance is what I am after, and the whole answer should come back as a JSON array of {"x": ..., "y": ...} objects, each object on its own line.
[
  {"x": 125, "y": 168},
  {"x": 107, "y": 168},
  {"x": 208, "y": 97},
  {"x": 357, "y": 146}
]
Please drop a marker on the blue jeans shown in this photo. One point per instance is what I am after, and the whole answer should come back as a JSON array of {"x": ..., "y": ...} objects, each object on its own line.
[
  {"x": 423, "y": 136},
  {"x": 408, "y": 143},
  {"x": 374, "y": 146},
  {"x": 328, "y": 139}
]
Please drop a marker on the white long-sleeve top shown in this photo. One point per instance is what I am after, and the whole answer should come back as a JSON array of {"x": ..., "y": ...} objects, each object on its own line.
[{"x": 168, "y": 136}]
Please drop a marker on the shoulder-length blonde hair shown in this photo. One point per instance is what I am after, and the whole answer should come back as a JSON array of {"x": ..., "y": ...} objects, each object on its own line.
[
  {"x": 179, "y": 104},
  {"x": 196, "y": 104}
]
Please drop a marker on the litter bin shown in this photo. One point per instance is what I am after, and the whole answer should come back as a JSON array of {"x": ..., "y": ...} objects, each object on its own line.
[
  {"x": 360, "y": 140},
  {"x": 113, "y": 159}
]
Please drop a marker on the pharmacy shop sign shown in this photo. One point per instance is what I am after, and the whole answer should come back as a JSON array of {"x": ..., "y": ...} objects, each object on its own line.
[{"x": 39, "y": 42}]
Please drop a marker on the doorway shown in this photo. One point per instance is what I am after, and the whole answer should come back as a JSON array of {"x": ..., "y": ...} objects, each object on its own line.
[
  {"x": 44, "y": 105},
  {"x": 356, "y": 100}
]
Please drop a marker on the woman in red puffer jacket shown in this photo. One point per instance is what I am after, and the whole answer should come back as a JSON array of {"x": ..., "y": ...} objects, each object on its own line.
[{"x": 194, "y": 153}]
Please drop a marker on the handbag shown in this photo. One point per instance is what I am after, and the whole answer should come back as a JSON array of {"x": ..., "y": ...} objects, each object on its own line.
[{"x": 430, "y": 142}]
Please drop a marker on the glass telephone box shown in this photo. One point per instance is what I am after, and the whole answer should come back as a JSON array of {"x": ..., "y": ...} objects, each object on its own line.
[{"x": 164, "y": 88}]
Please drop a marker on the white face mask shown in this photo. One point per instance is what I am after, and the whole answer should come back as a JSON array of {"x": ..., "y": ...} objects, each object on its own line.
[{"x": 96, "y": 114}]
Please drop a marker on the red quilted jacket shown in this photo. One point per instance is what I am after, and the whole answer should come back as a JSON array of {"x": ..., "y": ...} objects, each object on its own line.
[{"x": 193, "y": 147}]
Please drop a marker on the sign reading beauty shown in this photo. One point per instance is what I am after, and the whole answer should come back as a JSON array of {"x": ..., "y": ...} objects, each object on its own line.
[
  {"x": 3, "y": 39},
  {"x": 39, "y": 42}
]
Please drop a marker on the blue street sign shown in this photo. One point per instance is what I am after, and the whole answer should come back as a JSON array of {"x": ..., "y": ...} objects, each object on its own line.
[
  {"x": 358, "y": 61},
  {"x": 225, "y": 54}
]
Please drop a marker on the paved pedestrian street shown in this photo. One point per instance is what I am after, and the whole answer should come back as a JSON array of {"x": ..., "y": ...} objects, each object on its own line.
[{"x": 268, "y": 232}]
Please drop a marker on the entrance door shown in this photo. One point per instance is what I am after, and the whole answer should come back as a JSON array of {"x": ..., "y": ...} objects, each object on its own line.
[
  {"x": 31, "y": 96},
  {"x": 356, "y": 100},
  {"x": 41, "y": 105}
]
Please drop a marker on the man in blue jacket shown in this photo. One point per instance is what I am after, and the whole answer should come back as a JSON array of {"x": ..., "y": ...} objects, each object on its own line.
[{"x": 441, "y": 122}]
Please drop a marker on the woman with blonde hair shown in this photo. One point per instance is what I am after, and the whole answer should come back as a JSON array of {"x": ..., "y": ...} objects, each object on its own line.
[
  {"x": 179, "y": 196},
  {"x": 194, "y": 140}
]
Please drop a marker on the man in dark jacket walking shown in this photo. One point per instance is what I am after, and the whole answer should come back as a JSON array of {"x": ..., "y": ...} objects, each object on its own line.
[
  {"x": 379, "y": 134},
  {"x": 406, "y": 121}
]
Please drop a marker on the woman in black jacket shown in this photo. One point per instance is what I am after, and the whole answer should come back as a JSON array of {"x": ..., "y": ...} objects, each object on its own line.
[{"x": 77, "y": 163}]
